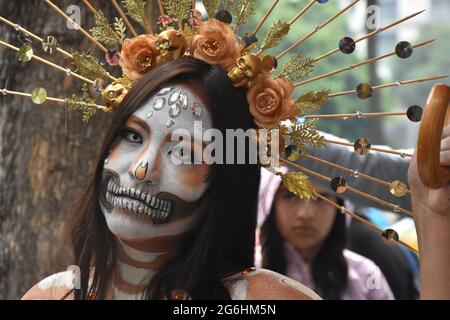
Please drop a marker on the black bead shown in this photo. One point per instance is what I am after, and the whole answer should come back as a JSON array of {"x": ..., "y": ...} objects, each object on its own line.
[
  {"x": 338, "y": 184},
  {"x": 249, "y": 40},
  {"x": 414, "y": 113},
  {"x": 224, "y": 16},
  {"x": 403, "y": 49},
  {"x": 347, "y": 45}
]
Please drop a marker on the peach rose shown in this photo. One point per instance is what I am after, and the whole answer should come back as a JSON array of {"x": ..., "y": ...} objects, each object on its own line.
[
  {"x": 215, "y": 44},
  {"x": 138, "y": 56},
  {"x": 270, "y": 101}
]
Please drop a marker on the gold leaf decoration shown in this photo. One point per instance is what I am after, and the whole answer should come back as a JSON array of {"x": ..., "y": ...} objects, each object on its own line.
[
  {"x": 187, "y": 32},
  {"x": 299, "y": 184},
  {"x": 177, "y": 9},
  {"x": 120, "y": 29},
  {"x": 243, "y": 9},
  {"x": 89, "y": 67},
  {"x": 307, "y": 135},
  {"x": 85, "y": 103},
  {"x": 312, "y": 100},
  {"x": 211, "y": 7},
  {"x": 104, "y": 33},
  {"x": 127, "y": 83},
  {"x": 275, "y": 33},
  {"x": 136, "y": 10},
  {"x": 296, "y": 69}
]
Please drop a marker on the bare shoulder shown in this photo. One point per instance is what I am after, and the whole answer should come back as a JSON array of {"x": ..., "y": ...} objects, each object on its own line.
[
  {"x": 264, "y": 284},
  {"x": 54, "y": 287}
]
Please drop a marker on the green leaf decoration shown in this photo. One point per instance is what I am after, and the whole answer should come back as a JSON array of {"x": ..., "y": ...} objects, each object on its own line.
[
  {"x": 299, "y": 184},
  {"x": 177, "y": 9},
  {"x": 312, "y": 100},
  {"x": 211, "y": 7},
  {"x": 85, "y": 104},
  {"x": 89, "y": 67},
  {"x": 275, "y": 34},
  {"x": 136, "y": 10},
  {"x": 307, "y": 135},
  {"x": 297, "y": 69},
  {"x": 105, "y": 34}
]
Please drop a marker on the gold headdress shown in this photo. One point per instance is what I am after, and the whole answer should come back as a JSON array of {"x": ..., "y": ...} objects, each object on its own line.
[{"x": 183, "y": 31}]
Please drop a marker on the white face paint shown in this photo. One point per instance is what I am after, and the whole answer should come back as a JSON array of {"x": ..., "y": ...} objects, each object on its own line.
[{"x": 144, "y": 193}]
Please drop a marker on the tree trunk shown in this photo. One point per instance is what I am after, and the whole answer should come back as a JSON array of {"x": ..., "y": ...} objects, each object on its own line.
[{"x": 43, "y": 167}]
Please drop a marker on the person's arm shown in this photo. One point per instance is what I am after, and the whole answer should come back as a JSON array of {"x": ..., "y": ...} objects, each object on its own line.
[
  {"x": 384, "y": 166},
  {"x": 431, "y": 209}
]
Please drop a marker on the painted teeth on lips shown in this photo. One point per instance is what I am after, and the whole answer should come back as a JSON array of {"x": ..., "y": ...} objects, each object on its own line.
[{"x": 137, "y": 201}]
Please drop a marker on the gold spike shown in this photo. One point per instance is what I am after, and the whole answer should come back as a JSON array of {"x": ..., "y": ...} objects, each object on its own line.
[
  {"x": 41, "y": 40},
  {"x": 124, "y": 17},
  {"x": 358, "y": 64},
  {"x": 90, "y": 7},
  {"x": 29, "y": 33},
  {"x": 390, "y": 25},
  {"x": 402, "y": 154},
  {"x": 161, "y": 8},
  {"x": 319, "y": 27},
  {"x": 350, "y": 171},
  {"x": 301, "y": 13},
  {"x": 389, "y": 85},
  {"x": 228, "y": 5},
  {"x": 354, "y": 115},
  {"x": 23, "y": 94},
  {"x": 265, "y": 16},
  {"x": 248, "y": 7},
  {"x": 355, "y": 216},
  {"x": 354, "y": 190},
  {"x": 84, "y": 32},
  {"x": 51, "y": 64}
]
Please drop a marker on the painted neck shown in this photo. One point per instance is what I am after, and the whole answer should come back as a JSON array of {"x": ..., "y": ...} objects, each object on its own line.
[{"x": 136, "y": 264}]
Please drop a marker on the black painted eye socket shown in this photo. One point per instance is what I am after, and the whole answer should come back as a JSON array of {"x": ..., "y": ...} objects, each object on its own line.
[{"x": 131, "y": 136}]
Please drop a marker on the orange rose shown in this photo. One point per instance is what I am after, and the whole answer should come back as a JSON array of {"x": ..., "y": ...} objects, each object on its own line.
[
  {"x": 215, "y": 44},
  {"x": 270, "y": 101},
  {"x": 138, "y": 56}
]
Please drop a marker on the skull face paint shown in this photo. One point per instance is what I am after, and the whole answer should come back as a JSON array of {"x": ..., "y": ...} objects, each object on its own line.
[{"x": 144, "y": 193}]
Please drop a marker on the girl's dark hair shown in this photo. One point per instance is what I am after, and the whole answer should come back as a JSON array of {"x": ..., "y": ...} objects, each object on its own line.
[
  {"x": 223, "y": 240},
  {"x": 328, "y": 267}
]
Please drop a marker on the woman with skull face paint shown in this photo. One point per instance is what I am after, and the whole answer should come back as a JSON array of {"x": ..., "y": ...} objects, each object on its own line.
[{"x": 148, "y": 228}]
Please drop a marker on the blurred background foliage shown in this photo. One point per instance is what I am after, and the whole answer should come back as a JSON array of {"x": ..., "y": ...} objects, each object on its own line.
[{"x": 397, "y": 132}]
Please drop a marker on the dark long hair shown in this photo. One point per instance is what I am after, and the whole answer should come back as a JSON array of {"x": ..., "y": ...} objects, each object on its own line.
[
  {"x": 328, "y": 267},
  {"x": 223, "y": 241}
]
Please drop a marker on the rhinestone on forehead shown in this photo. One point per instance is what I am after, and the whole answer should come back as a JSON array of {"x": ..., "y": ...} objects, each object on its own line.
[
  {"x": 196, "y": 110},
  {"x": 174, "y": 110},
  {"x": 159, "y": 103},
  {"x": 165, "y": 91}
]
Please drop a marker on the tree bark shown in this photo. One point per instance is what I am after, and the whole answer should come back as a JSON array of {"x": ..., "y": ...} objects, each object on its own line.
[{"x": 43, "y": 168}]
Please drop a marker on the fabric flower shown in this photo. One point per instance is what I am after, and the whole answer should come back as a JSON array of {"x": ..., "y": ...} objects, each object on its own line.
[
  {"x": 138, "y": 56},
  {"x": 195, "y": 18},
  {"x": 270, "y": 101},
  {"x": 215, "y": 44},
  {"x": 165, "y": 20}
]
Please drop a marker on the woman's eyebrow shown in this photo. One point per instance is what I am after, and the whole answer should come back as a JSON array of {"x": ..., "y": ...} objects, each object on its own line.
[{"x": 138, "y": 121}]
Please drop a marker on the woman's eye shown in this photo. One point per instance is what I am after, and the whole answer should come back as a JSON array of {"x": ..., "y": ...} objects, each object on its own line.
[{"x": 132, "y": 136}]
